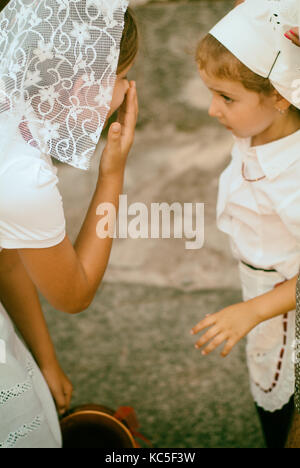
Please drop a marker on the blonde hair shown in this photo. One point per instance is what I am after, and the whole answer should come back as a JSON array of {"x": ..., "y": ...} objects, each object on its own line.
[{"x": 216, "y": 60}]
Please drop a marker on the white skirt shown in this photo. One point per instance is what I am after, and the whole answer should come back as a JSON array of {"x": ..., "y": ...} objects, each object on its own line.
[
  {"x": 269, "y": 345},
  {"x": 28, "y": 417}
]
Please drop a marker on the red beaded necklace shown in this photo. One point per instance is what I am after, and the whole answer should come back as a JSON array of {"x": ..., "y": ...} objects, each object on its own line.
[{"x": 250, "y": 180}]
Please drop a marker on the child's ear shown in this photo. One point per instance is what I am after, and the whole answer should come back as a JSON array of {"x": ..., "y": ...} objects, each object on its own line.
[{"x": 281, "y": 104}]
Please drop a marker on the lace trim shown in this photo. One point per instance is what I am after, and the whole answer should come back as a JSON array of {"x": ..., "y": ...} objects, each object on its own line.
[
  {"x": 21, "y": 432},
  {"x": 284, "y": 388},
  {"x": 18, "y": 389},
  {"x": 280, "y": 358},
  {"x": 15, "y": 392}
]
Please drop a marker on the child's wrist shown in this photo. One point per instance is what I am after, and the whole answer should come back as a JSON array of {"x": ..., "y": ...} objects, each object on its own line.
[
  {"x": 262, "y": 307},
  {"x": 257, "y": 310},
  {"x": 113, "y": 177}
]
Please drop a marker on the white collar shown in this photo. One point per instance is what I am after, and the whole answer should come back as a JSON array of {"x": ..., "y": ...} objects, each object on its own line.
[{"x": 274, "y": 157}]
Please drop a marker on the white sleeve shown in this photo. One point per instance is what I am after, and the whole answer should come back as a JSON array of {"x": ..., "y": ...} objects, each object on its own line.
[{"x": 31, "y": 209}]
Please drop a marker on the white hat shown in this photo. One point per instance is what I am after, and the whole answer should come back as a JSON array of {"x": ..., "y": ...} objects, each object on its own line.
[{"x": 254, "y": 33}]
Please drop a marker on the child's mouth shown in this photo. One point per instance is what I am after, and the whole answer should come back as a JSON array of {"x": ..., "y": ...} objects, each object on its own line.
[{"x": 224, "y": 125}]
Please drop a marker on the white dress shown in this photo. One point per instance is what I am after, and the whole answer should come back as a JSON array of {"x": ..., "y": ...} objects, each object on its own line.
[
  {"x": 31, "y": 215},
  {"x": 262, "y": 219}
]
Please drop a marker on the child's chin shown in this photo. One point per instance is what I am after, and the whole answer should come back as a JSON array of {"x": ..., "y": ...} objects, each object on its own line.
[{"x": 238, "y": 134}]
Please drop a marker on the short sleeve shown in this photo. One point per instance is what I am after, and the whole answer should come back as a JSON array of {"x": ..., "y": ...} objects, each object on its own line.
[{"x": 31, "y": 208}]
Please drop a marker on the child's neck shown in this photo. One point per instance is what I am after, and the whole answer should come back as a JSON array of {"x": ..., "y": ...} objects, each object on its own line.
[{"x": 284, "y": 126}]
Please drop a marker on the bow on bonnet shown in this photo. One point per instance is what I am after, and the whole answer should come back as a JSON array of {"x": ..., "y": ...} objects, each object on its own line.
[
  {"x": 254, "y": 33},
  {"x": 58, "y": 63}
]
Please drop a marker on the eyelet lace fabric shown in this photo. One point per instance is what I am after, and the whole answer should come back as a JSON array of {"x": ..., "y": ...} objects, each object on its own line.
[
  {"x": 269, "y": 346},
  {"x": 28, "y": 416},
  {"x": 18, "y": 389},
  {"x": 58, "y": 62},
  {"x": 21, "y": 432},
  {"x": 13, "y": 393}
]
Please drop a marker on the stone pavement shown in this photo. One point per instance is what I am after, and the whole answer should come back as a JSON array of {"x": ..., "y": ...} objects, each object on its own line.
[{"x": 133, "y": 345}]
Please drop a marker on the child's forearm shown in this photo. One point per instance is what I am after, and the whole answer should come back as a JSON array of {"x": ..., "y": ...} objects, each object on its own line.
[
  {"x": 20, "y": 299},
  {"x": 278, "y": 301}
]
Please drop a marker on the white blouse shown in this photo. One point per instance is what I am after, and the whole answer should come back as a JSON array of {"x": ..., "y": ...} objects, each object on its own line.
[
  {"x": 262, "y": 218},
  {"x": 31, "y": 208}
]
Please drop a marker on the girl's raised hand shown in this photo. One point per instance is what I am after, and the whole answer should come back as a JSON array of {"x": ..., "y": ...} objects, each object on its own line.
[
  {"x": 120, "y": 136},
  {"x": 293, "y": 35},
  {"x": 230, "y": 325}
]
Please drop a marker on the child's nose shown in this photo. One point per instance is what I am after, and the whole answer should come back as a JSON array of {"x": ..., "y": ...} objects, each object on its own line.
[{"x": 214, "y": 110}]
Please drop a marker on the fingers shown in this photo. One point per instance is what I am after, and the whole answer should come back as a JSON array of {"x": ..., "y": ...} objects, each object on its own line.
[
  {"x": 216, "y": 338},
  {"x": 213, "y": 331},
  {"x": 227, "y": 348},
  {"x": 68, "y": 390},
  {"x": 113, "y": 138},
  {"x": 215, "y": 334},
  {"x": 61, "y": 402},
  {"x": 206, "y": 322},
  {"x": 293, "y": 35},
  {"x": 214, "y": 344},
  {"x": 128, "y": 112},
  {"x": 63, "y": 398}
]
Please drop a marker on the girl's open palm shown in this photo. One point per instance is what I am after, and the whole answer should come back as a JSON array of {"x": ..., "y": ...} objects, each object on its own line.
[
  {"x": 230, "y": 325},
  {"x": 120, "y": 136}
]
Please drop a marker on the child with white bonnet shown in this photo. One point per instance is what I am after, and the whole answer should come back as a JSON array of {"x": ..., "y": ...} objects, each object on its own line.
[{"x": 253, "y": 72}]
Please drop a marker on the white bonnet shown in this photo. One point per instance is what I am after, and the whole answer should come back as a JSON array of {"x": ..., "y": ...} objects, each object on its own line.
[{"x": 254, "y": 33}]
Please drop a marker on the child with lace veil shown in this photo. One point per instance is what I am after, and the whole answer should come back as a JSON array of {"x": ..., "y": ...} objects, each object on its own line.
[
  {"x": 63, "y": 72},
  {"x": 253, "y": 72}
]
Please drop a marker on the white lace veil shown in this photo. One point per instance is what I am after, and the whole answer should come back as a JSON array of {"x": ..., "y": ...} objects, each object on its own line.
[{"x": 58, "y": 62}]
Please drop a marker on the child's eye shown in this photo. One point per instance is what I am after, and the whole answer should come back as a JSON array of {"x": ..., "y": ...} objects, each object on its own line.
[{"x": 226, "y": 98}]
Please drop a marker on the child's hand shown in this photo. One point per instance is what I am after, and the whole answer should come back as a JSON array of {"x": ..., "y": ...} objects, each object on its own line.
[
  {"x": 230, "y": 325},
  {"x": 293, "y": 35},
  {"x": 59, "y": 385},
  {"x": 119, "y": 142}
]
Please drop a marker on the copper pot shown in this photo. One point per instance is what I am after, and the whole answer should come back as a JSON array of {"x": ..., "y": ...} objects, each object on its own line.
[{"x": 95, "y": 426}]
